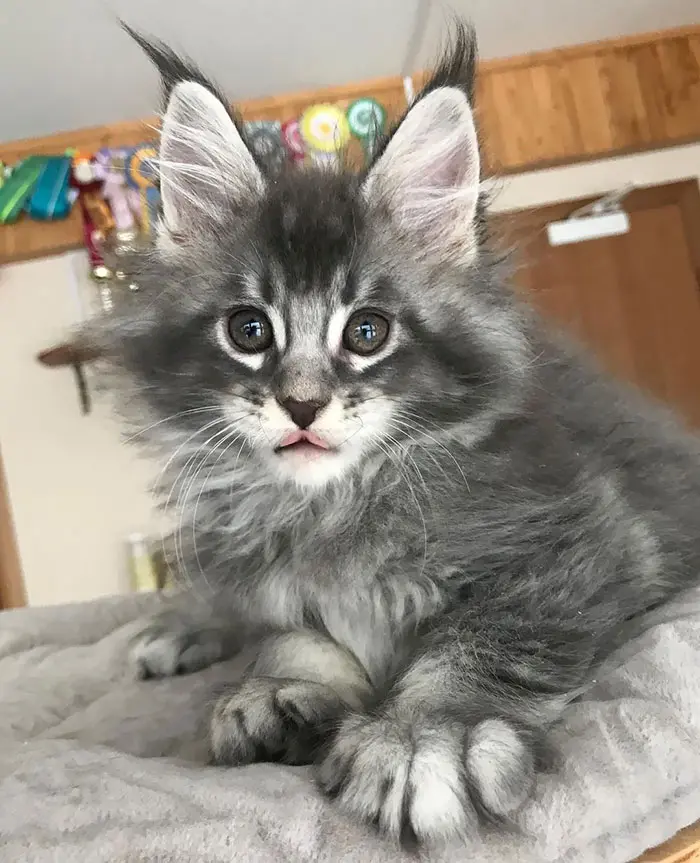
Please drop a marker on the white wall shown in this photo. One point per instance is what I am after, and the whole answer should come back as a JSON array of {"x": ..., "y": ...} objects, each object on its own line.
[
  {"x": 66, "y": 63},
  {"x": 76, "y": 492}
]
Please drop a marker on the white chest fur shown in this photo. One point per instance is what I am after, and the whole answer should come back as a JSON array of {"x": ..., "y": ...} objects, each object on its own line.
[{"x": 367, "y": 616}]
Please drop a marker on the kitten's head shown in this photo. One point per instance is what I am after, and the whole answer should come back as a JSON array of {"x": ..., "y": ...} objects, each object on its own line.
[{"x": 321, "y": 317}]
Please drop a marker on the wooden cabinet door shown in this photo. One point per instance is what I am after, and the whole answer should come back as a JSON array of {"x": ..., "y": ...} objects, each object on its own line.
[{"x": 634, "y": 299}]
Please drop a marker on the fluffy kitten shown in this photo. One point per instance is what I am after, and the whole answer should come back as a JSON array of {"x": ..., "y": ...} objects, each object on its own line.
[{"x": 436, "y": 520}]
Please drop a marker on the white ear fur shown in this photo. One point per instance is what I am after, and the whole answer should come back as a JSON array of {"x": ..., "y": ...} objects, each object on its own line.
[
  {"x": 428, "y": 176},
  {"x": 205, "y": 167}
]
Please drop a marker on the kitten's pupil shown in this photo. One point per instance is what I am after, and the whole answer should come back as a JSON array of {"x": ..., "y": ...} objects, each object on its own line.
[
  {"x": 250, "y": 330},
  {"x": 253, "y": 329},
  {"x": 367, "y": 331}
]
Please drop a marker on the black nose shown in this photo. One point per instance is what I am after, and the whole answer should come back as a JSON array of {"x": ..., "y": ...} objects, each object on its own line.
[{"x": 303, "y": 413}]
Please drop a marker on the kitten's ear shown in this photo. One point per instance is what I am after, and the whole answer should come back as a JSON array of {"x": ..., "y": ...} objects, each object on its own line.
[
  {"x": 427, "y": 176},
  {"x": 206, "y": 169}
]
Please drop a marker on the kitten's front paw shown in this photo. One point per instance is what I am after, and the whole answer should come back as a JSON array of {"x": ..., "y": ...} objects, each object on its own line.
[
  {"x": 415, "y": 780},
  {"x": 272, "y": 719},
  {"x": 164, "y": 649}
]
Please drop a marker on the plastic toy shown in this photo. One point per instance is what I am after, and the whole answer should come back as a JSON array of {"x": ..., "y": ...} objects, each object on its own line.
[
  {"x": 96, "y": 215},
  {"x": 51, "y": 196},
  {"x": 367, "y": 119},
  {"x": 141, "y": 173},
  {"x": 265, "y": 138},
  {"x": 109, "y": 169},
  {"x": 292, "y": 141},
  {"x": 325, "y": 132},
  {"x": 18, "y": 187}
]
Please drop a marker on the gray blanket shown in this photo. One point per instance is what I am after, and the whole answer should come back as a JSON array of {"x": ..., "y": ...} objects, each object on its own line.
[{"x": 95, "y": 766}]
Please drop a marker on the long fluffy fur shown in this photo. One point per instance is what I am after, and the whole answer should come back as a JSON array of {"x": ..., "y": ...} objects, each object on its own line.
[{"x": 506, "y": 518}]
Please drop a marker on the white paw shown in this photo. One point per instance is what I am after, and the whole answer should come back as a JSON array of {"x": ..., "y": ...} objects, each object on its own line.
[
  {"x": 413, "y": 779},
  {"x": 501, "y": 766},
  {"x": 272, "y": 719}
]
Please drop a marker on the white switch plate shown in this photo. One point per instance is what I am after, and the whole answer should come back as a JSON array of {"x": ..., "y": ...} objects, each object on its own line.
[{"x": 587, "y": 228}]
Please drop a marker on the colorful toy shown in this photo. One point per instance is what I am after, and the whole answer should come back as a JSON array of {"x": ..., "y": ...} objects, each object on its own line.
[
  {"x": 141, "y": 172},
  {"x": 109, "y": 169},
  {"x": 292, "y": 140},
  {"x": 265, "y": 139},
  {"x": 96, "y": 216},
  {"x": 325, "y": 132},
  {"x": 18, "y": 187},
  {"x": 367, "y": 119},
  {"x": 51, "y": 196}
]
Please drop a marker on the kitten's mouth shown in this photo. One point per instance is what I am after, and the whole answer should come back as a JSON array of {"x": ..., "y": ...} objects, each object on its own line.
[{"x": 302, "y": 442}]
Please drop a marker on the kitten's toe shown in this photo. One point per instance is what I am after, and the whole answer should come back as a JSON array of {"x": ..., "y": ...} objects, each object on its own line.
[
  {"x": 272, "y": 719},
  {"x": 500, "y": 764},
  {"x": 407, "y": 780},
  {"x": 426, "y": 780},
  {"x": 158, "y": 652}
]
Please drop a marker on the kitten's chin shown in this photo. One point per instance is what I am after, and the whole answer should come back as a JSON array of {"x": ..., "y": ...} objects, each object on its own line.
[{"x": 309, "y": 466}]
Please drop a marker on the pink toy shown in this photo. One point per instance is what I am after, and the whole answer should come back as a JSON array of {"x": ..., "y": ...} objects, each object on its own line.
[
  {"x": 108, "y": 168},
  {"x": 291, "y": 137}
]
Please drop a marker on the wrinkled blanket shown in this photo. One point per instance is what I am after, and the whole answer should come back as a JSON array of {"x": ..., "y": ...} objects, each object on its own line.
[{"x": 96, "y": 766}]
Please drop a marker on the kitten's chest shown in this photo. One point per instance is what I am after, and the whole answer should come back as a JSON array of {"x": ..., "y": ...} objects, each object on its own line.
[
  {"x": 360, "y": 577},
  {"x": 366, "y": 609}
]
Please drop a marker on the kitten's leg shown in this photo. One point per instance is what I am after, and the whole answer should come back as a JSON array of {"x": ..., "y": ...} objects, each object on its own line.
[
  {"x": 458, "y": 737},
  {"x": 188, "y": 635},
  {"x": 300, "y": 684}
]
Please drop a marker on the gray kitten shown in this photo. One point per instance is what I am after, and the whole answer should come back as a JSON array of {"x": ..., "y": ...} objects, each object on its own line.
[{"x": 435, "y": 519}]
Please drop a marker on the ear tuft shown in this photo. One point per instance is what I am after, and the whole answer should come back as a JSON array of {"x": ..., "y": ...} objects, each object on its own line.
[
  {"x": 207, "y": 171},
  {"x": 172, "y": 67},
  {"x": 457, "y": 65}
]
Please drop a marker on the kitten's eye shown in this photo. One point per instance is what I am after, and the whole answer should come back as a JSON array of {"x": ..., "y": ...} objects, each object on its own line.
[
  {"x": 365, "y": 332},
  {"x": 250, "y": 331}
]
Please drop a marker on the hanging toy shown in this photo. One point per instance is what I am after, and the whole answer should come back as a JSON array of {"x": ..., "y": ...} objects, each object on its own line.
[
  {"x": 141, "y": 172},
  {"x": 51, "y": 196},
  {"x": 292, "y": 140},
  {"x": 18, "y": 188},
  {"x": 325, "y": 132},
  {"x": 95, "y": 213},
  {"x": 109, "y": 169},
  {"x": 265, "y": 139},
  {"x": 367, "y": 120}
]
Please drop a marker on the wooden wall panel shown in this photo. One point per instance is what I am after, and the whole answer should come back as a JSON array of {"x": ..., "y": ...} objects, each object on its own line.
[{"x": 555, "y": 107}]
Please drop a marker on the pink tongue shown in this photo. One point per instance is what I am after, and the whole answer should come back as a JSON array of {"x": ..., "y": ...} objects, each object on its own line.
[{"x": 303, "y": 437}]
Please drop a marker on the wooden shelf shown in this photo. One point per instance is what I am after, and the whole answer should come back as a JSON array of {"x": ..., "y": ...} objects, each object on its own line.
[{"x": 572, "y": 104}]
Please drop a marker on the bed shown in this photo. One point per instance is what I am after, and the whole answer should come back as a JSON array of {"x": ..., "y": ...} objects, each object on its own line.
[{"x": 97, "y": 766}]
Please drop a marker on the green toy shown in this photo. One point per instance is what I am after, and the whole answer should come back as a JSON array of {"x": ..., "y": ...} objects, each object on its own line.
[{"x": 17, "y": 189}]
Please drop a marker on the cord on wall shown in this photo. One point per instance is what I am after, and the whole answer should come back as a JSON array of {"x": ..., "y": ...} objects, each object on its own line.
[{"x": 415, "y": 43}]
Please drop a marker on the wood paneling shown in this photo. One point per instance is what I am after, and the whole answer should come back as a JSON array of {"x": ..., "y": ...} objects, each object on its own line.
[
  {"x": 611, "y": 99},
  {"x": 583, "y": 102},
  {"x": 633, "y": 298},
  {"x": 684, "y": 847}
]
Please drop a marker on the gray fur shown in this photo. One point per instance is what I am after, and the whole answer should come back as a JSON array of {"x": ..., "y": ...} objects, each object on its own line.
[{"x": 495, "y": 520}]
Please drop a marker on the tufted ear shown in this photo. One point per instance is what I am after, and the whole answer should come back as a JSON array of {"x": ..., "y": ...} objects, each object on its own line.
[
  {"x": 206, "y": 169},
  {"x": 427, "y": 175}
]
